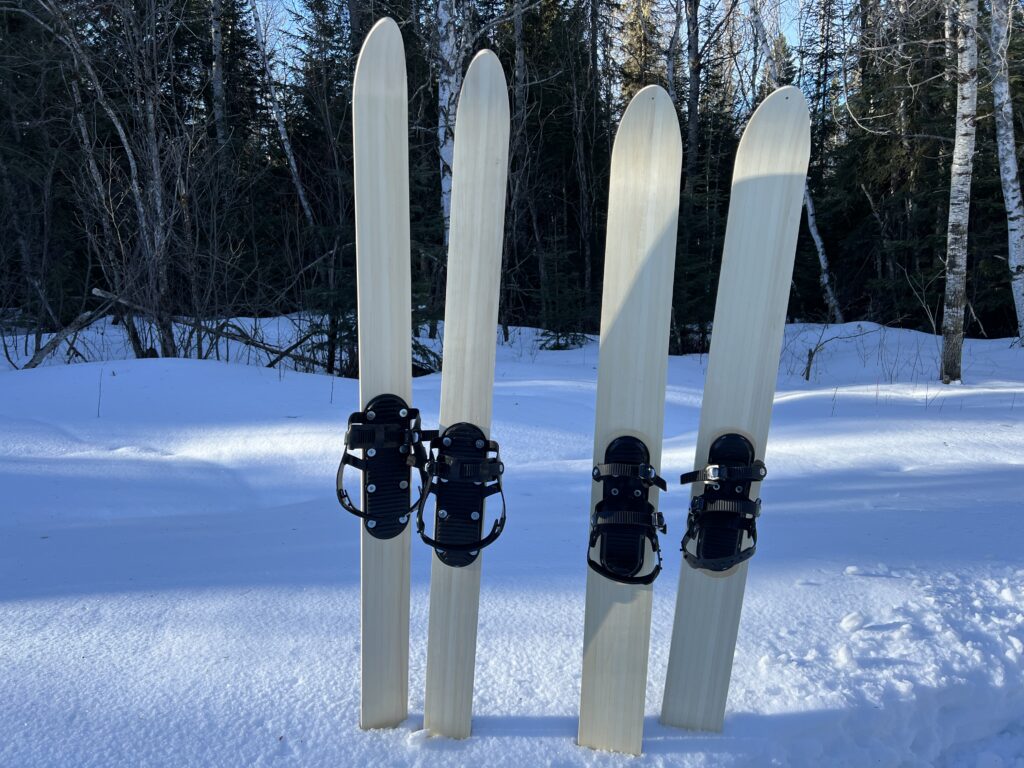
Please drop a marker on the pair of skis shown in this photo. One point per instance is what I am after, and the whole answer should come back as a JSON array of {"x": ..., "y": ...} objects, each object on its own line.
[
  {"x": 462, "y": 468},
  {"x": 753, "y": 292}
]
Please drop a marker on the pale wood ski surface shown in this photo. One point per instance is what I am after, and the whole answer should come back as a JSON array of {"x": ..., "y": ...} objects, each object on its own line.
[
  {"x": 383, "y": 284},
  {"x": 750, "y": 313},
  {"x": 479, "y": 174},
  {"x": 643, "y": 208}
]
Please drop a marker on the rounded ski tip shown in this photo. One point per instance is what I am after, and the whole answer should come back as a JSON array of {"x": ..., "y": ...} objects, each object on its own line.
[
  {"x": 486, "y": 66},
  {"x": 484, "y": 88},
  {"x": 788, "y": 100},
  {"x": 650, "y": 99},
  {"x": 385, "y": 28},
  {"x": 652, "y": 109},
  {"x": 383, "y": 40},
  {"x": 653, "y": 93}
]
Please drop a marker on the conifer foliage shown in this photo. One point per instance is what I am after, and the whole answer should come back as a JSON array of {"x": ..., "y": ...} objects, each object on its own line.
[{"x": 178, "y": 162}]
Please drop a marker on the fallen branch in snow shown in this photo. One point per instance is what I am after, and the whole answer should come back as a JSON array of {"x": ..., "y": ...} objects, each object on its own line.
[
  {"x": 84, "y": 320},
  {"x": 221, "y": 331}
]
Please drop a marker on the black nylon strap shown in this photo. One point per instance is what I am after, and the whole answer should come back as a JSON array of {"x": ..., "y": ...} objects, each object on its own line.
[
  {"x": 743, "y": 507},
  {"x": 453, "y": 468},
  {"x": 632, "y": 517},
  {"x": 716, "y": 473},
  {"x": 645, "y": 472}
]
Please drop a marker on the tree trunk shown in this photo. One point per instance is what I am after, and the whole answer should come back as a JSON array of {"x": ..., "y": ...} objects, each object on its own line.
[
  {"x": 449, "y": 81},
  {"x": 275, "y": 105},
  {"x": 220, "y": 122},
  {"x": 1006, "y": 147},
  {"x": 960, "y": 191},
  {"x": 834, "y": 312}
]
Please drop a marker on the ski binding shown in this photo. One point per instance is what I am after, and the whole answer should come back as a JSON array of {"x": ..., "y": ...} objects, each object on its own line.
[
  {"x": 723, "y": 513},
  {"x": 389, "y": 435},
  {"x": 625, "y": 519},
  {"x": 463, "y": 468}
]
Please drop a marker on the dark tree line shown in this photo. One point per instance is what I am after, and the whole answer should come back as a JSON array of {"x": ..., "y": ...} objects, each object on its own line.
[{"x": 179, "y": 162}]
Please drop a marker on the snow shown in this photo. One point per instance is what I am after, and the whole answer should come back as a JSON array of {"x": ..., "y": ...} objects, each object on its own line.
[{"x": 178, "y": 585}]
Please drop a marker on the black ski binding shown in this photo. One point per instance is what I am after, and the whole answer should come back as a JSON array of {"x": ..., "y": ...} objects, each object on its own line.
[
  {"x": 624, "y": 520},
  {"x": 388, "y": 433},
  {"x": 463, "y": 468},
  {"x": 724, "y": 512}
]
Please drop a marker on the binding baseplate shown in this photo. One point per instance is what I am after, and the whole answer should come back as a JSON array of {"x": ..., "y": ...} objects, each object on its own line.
[
  {"x": 463, "y": 468},
  {"x": 389, "y": 435},
  {"x": 625, "y": 519},
  {"x": 721, "y": 530}
]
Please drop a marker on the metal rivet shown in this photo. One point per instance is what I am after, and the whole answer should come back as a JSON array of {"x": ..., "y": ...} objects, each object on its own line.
[
  {"x": 404, "y": 484},
  {"x": 403, "y": 519},
  {"x": 739, "y": 489},
  {"x": 596, "y": 473},
  {"x": 371, "y": 452},
  {"x": 403, "y": 449},
  {"x": 371, "y": 488},
  {"x": 475, "y": 552},
  {"x": 446, "y": 442},
  {"x": 370, "y": 415},
  {"x": 474, "y": 515},
  {"x": 403, "y": 413},
  {"x": 443, "y": 514},
  {"x": 479, "y": 444},
  {"x": 440, "y": 551},
  {"x": 615, "y": 491},
  {"x": 636, "y": 493},
  {"x": 371, "y": 523},
  {"x": 762, "y": 471},
  {"x": 716, "y": 486}
]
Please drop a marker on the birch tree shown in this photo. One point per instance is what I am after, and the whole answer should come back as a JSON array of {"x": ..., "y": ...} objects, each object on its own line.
[
  {"x": 449, "y": 82},
  {"x": 962, "y": 169},
  {"x": 1002, "y": 14},
  {"x": 764, "y": 42}
]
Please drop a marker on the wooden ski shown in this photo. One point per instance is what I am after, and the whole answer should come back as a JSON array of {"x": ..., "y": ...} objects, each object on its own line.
[
  {"x": 643, "y": 210},
  {"x": 381, "y": 142},
  {"x": 750, "y": 313},
  {"x": 479, "y": 175}
]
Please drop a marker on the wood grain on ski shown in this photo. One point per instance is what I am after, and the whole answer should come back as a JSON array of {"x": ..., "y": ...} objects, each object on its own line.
[
  {"x": 750, "y": 312},
  {"x": 643, "y": 207},
  {"x": 380, "y": 138},
  {"x": 470, "y": 334}
]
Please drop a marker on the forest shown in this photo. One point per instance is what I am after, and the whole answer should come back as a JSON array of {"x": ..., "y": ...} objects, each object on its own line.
[{"x": 178, "y": 163}]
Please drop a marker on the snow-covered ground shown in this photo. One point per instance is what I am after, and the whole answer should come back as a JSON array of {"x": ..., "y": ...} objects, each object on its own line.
[{"x": 178, "y": 585}]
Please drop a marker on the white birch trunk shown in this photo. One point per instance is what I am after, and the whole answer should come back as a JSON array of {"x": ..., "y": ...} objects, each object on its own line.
[
  {"x": 835, "y": 313},
  {"x": 449, "y": 83},
  {"x": 960, "y": 190},
  {"x": 1007, "y": 150},
  {"x": 275, "y": 105},
  {"x": 220, "y": 122}
]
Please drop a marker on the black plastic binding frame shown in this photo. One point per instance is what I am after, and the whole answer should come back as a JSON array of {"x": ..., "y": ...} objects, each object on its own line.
[
  {"x": 463, "y": 469},
  {"x": 389, "y": 435},
  {"x": 625, "y": 519},
  {"x": 723, "y": 517}
]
